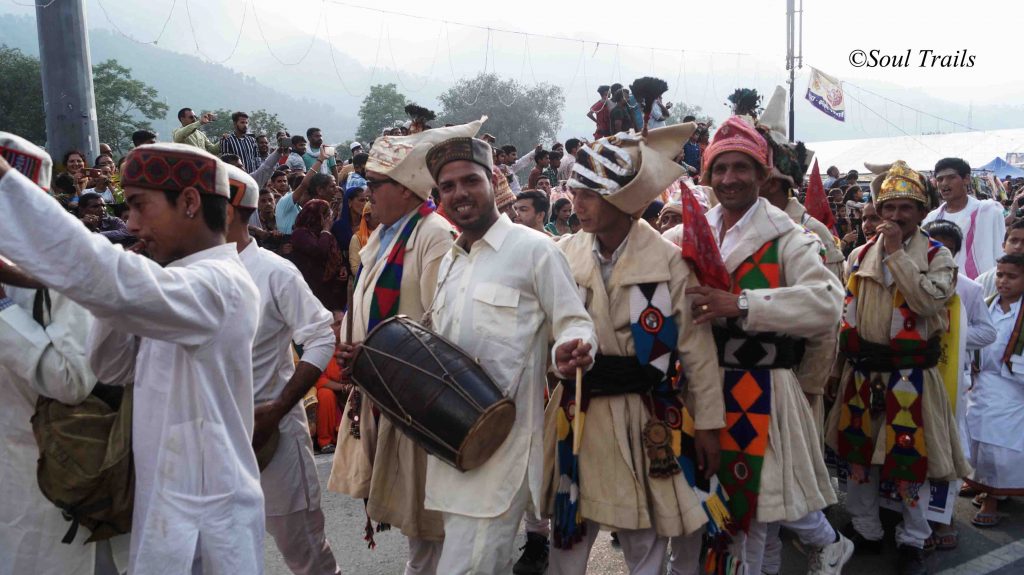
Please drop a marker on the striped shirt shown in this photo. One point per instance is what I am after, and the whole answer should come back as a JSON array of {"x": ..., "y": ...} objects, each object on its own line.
[{"x": 245, "y": 148}]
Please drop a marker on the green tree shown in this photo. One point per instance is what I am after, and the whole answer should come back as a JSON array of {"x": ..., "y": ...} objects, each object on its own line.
[
  {"x": 519, "y": 115},
  {"x": 21, "y": 95},
  {"x": 121, "y": 102},
  {"x": 382, "y": 108},
  {"x": 681, "y": 110}
]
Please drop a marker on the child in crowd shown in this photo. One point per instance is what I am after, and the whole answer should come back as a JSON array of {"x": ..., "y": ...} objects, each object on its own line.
[{"x": 995, "y": 405}]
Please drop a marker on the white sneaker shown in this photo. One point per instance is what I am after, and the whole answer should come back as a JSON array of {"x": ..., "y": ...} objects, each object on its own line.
[{"x": 830, "y": 559}]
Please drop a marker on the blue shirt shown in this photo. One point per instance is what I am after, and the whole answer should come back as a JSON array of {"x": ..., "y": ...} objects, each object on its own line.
[
  {"x": 691, "y": 154},
  {"x": 387, "y": 233},
  {"x": 286, "y": 213}
]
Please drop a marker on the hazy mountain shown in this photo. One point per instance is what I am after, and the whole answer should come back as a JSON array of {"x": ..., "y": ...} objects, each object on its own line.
[
  {"x": 184, "y": 80},
  {"x": 326, "y": 92}
]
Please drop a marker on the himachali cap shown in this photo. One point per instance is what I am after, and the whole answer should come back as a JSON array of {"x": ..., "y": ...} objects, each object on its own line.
[
  {"x": 630, "y": 170},
  {"x": 737, "y": 134},
  {"x": 174, "y": 167},
  {"x": 899, "y": 182},
  {"x": 402, "y": 158},
  {"x": 245, "y": 193},
  {"x": 29, "y": 159},
  {"x": 455, "y": 149}
]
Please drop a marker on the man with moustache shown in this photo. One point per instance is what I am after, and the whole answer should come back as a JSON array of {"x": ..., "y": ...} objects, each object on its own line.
[
  {"x": 374, "y": 460},
  {"x": 782, "y": 296},
  {"x": 892, "y": 419},
  {"x": 506, "y": 315}
]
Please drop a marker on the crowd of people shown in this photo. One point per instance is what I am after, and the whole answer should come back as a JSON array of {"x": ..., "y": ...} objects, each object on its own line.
[{"x": 734, "y": 328}]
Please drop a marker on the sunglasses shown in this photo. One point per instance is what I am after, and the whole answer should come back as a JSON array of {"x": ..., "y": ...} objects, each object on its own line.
[{"x": 374, "y": 184}]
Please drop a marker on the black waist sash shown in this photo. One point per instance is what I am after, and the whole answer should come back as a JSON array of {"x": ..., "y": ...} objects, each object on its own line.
[
  {"x": 883, "y": 357},
  {"x": 738, "y": 349},
  {"x": 618, "y": 375}
]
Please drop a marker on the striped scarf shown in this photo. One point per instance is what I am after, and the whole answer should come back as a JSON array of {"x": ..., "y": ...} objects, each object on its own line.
[{"x": 388, "y": 289}]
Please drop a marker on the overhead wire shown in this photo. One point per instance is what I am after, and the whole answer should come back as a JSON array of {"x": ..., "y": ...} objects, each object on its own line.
[{"x": 106, "y": 15}]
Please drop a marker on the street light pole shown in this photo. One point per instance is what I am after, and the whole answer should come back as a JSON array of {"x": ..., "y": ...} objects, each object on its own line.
[
  {"x": 794, "y": 54},
  {"x": 68, "y": 96}
]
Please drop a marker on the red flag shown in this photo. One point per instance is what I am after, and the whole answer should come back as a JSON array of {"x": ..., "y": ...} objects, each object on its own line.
[
  {"x": 699, "y": 245},
  {"x": 816, "y": 203}
]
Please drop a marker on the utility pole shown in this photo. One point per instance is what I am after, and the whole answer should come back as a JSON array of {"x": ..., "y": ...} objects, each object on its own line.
[
  {"x": 68, "y": 96},
  {"x": 794, "y": 54}
]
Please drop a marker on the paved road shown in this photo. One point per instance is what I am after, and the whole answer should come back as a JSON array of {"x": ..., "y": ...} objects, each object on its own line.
[{"x": 996, "y": 551}]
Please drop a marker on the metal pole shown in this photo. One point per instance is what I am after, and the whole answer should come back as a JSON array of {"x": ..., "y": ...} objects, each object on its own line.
[
  {"x": 790, "y": 59},
  {"x": 68, "y": 96}
]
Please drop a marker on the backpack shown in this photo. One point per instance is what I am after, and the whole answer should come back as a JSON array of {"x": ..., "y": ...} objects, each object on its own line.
[{"x": 85, "y": 455}]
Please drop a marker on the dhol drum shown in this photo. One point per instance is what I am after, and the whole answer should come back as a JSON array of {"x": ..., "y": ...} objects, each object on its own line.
[{"x": 435, "y": 393}]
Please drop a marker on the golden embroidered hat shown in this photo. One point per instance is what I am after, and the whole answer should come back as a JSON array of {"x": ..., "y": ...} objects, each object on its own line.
[
  {"x": 174, "y": 167},
  {"x": 245, "y": 193},
  {"x": 899, "y": 182},
  {"x": 630, "y": 170},
  {"x": 403, "y": 158},
  {"x": 29, "y": 159},
  {"x": 455, "y": 149}
]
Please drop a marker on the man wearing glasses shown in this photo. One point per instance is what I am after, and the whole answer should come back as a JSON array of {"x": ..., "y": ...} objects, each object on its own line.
[{"x": 373, "y": 460}]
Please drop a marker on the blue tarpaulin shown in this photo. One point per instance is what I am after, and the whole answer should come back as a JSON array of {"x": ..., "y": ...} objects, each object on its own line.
[{"x": 1001, "y": 169}]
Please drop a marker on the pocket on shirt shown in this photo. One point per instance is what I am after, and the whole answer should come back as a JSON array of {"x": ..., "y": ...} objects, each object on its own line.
[{"x": 495, "y": 308}]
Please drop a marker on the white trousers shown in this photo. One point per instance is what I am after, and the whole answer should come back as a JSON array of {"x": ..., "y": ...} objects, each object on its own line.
[
  {"x": 685, "y": 558},
  {"x": 300, "y": 539},
  {"x": 423, "y": 556},
  {"x": 479, "y": 545},
  {"x": 812, "y": 529},
  {"x": 642, "y": 549},
  {"x": 862, "y": 503}
]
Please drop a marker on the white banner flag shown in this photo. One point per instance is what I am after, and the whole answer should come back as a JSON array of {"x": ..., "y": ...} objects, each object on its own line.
[{"x": 826, "y": 94}]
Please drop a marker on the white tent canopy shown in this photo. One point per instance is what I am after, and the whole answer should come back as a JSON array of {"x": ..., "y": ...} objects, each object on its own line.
[{"x": 920, "y": 152}]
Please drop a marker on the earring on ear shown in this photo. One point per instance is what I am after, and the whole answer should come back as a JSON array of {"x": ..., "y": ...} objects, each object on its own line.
[{"x": 190, "y": 215}]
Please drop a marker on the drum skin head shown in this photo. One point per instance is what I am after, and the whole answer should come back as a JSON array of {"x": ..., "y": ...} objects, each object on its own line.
[
  {"x": 486, "y": 435},
  {"x": 434, "y": 392}
]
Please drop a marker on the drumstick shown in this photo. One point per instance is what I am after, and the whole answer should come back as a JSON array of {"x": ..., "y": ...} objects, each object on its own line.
[{"x": 577, "y": 418}]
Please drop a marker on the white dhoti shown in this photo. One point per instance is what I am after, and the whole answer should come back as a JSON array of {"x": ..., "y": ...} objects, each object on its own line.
[
  {"x": 642, "y": 549},
  {"x": 474, "y": 545}
]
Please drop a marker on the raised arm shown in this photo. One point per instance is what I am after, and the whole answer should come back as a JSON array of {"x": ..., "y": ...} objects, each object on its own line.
[{"x": 186, "y": 305}]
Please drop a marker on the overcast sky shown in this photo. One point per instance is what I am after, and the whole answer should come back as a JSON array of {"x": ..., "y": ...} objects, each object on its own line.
[{"x": 438, "y": 52}]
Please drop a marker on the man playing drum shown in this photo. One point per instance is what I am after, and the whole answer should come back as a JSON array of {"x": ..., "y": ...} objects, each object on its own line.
[
  {"x": 505, "y": 314},
  {"x": 634, "y": 283},
  {"x": 375, "y": 461}
]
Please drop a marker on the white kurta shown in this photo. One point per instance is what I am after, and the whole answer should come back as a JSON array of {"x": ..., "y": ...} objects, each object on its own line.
[
  {"x": 976, "y": 332},
  {"x": 503, "y": 303},
  {"x": 36, "y": 361},
  {"x": 995, "y": 410},
  {"x": 289, "y": 311},
  {"x": 989, "y": 229},
  {"x": 183, "y": 333}
]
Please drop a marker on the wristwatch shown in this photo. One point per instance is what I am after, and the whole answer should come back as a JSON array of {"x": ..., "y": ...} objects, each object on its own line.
[{"x": 743, "y": 304}]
